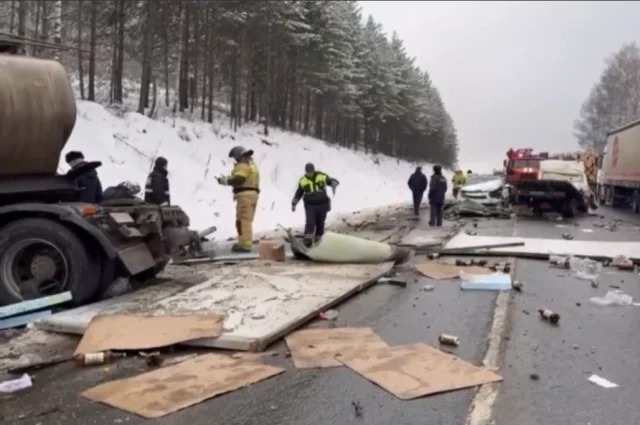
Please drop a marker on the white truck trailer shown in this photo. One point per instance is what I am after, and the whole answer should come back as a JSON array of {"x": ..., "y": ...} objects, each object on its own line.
[{"x": 619, "y": 168}]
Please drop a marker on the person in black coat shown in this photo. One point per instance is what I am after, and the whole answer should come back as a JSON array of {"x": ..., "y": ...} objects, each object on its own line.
[
  {"x": 156, "y": 189},
  {"x": 88, "y": 184},
  {"x": 418, "y": 185},
  {"x": 437, "y": 192}
]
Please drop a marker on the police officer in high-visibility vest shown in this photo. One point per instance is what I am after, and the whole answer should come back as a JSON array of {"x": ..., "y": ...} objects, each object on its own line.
[
  {"x": 312, "y": 189},
  {"x": 245, "y": 180},
  {"x": 156, "y": 189}
]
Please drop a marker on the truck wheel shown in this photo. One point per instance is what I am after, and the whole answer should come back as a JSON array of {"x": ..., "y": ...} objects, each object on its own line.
[
  {"x": 40, "y": 257},
  {"x": 635, "y": 202},
  {"x": 608, "y": 196},
  {"x": 571, "y": 208}
]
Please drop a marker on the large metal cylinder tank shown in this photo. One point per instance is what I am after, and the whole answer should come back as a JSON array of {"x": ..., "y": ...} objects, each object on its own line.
[{"x": 37, "y": 115}]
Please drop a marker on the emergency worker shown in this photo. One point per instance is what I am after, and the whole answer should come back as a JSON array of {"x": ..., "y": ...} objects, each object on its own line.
[
  {"x": 156, "y": 189},
  {"x": 458, "y": 180},
  {"x": 312, "y": 189},
  {"x": 437, "y": 191},
  {"x": 245, "y": 181}
]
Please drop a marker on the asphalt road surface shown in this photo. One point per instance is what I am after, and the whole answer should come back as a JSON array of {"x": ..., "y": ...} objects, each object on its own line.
[{"x": 589, "y": 340}]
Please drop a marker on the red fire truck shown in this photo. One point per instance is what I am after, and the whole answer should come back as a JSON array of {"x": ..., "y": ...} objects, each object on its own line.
[{"x": 522, "y": 164}]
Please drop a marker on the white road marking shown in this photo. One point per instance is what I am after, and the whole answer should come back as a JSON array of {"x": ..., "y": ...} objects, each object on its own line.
[{"x": 482, "y": 404}]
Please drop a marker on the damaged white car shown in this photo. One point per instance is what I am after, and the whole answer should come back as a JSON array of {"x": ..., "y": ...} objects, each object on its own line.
[{"x": 488, "y": 193}]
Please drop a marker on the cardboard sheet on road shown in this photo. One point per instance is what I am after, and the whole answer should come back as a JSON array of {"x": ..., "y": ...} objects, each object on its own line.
[
  {"x": 262, "y": 302},
  {"x": 416, "y": 370},
  {"x": 440, "y": 271},
  {"x": 318, "y": 348},
  {"x": 134, "y": 332},
  {"x": 542, "y": 248},
  {"x": 167, "y": 390}
]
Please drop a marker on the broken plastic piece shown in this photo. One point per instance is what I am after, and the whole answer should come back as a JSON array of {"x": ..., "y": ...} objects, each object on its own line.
[
  {"x": 14, "y": 385},
  {"x": 599, "y": 380},
  {"x": 490, "y": 282},
  {"x": 616, "y": 297},
  {"x": 585, "y": 268}
]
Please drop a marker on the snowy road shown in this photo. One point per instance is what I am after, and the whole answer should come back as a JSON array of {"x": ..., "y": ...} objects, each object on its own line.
[{"x": 604, "y": 337}]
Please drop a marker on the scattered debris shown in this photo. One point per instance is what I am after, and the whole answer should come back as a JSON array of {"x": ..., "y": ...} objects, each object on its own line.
[
  {"x": 357, "y": 408},
  {"x": 329, "y": 315},
  {"x": 559, "y": 261},
  {"x": 428, "y": 288},
  {"x": 567, "y": 236},
  {"x": 15, "y": 385},
  {"x": 152, "y": 359},
  {"x": 549, "y": 316},
  {"x": 451, "y": 340},
  {"x": 38, "y": 365},
  {"x": 93, "y": 359},
  {"x": 490, "y": 282},
  {"x": 25, "y": 312},
  {"x": 622, "y": 263},
  {"x": 594, "y": 284},
  {"x": 534, "y": 377},
  {"x": 441, "y": 271},
  {"x": 201, "y": 378},
  {"x": 395, "y": 282},
  {"x": 604, "y": 383},
  {"x": 615, "y": 297},
  {"x": 416, "y": 370},
  {"x": 585, "y": 268},
  {"x": 517, "y": 286},
  {"x": 321, "y": 348},
  {"x": 141, "y": 332}
]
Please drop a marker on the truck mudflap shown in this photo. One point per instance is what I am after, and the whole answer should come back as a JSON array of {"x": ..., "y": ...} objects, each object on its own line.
[{"x": 66, "y": 214}]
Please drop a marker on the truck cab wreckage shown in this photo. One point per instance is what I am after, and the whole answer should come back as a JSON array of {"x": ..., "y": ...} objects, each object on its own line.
[{"x": 49, "y": 243}]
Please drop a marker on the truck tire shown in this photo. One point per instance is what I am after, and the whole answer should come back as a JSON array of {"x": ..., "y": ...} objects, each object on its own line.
[
  {"x": 570, "y": 208},
  {"x": 608, "y": 196},
  {"x": 635, "y": 202},
  {"x": 43, "y": 249}
]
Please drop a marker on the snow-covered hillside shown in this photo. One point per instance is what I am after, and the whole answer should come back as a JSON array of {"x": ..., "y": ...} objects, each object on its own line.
[{"x": 198, "y": 153}]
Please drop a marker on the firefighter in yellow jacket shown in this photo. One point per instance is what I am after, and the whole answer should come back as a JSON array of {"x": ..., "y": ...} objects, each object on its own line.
[
  {"x": 458, "y": 180},
  {"x": 245, "y": 181}
]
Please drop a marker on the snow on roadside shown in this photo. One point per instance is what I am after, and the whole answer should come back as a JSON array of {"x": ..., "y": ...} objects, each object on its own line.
[{"x": 198, "y": 153}]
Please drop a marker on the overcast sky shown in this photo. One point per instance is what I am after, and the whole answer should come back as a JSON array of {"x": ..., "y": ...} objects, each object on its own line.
[{"x": 512, "y": 74}]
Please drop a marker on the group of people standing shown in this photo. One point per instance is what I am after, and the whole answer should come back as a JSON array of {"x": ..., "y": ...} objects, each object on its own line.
[
  {"x": 90, "y": 187},
  {"x": 244, "y": 180},
  {"x": 437, "y": 185}
]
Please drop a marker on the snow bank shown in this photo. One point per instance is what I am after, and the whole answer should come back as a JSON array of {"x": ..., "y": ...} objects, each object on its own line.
[{"x": 198, "y": 153}]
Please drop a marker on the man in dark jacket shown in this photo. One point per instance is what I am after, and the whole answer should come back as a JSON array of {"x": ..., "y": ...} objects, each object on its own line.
[
  {"x": 437, "y": 191},
  {"x": 312, "y": 188},
  {"x": 156, "y": 190},
  {"x": 418, "y": 184},
  {"x": 89, "y": 186}
]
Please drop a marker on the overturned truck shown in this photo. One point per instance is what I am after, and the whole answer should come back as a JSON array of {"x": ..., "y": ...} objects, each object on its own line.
[{"x": 48, "y": 242}]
